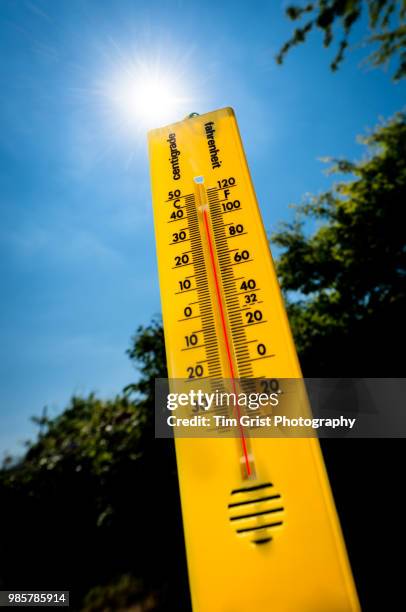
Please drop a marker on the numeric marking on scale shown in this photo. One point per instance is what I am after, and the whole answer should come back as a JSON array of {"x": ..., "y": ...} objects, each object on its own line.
[
  {"x": 177, "y": 215},
  {"x": 183, "y": 260},
  {"x": 179, "y": 237}
]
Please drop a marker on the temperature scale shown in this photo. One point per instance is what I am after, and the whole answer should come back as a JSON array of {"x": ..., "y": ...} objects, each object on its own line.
[{"x": 261, "y": 529}]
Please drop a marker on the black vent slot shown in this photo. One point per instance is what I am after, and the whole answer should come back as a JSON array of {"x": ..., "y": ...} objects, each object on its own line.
[
  {"x": 251, "y": 509},
  {"x": 262, "y": 541},
  {"x": 244, "y": 516},
  {"x": 254, "y": 488}
]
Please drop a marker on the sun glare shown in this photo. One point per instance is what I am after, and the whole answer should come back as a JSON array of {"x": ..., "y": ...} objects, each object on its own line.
[{"x": 149, "y": 98}]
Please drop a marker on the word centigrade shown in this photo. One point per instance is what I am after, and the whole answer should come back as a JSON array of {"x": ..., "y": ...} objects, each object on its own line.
[{"x": 174, "y": 159}]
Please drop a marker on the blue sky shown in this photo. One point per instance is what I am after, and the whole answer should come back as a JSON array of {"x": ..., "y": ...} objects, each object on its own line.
[{"x": 77, "y": 257}]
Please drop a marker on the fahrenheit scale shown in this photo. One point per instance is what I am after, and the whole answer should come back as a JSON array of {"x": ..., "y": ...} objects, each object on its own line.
[{"x": 260, "y": 524}]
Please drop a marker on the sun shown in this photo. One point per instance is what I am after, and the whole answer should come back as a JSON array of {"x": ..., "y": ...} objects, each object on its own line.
[{"x": 149, "y": 97}]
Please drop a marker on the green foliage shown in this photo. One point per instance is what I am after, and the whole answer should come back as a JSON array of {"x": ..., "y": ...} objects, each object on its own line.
[
  {"x": 386, "y": 22},
  {"x": 93, "y": 505},
  {"x": 85, "y": 435},
  {"x": 148, "y": 352},
  {"x": 350, "y": 272}
]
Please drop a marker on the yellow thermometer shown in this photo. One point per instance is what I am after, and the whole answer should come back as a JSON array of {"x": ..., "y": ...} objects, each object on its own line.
[{"x": 261, "y": 529}]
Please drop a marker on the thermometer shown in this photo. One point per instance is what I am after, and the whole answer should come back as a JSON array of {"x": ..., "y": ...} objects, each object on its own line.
[{"x": 260, "y": 523}]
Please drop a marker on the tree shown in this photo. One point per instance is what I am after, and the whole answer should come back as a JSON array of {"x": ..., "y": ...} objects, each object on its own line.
[
  {"x": 386, "y": 22},
  {"x": 350, "y": 272},
  {"x": 147, "y": 352},
  {"x": 93, "y": 506}
]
